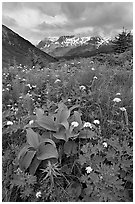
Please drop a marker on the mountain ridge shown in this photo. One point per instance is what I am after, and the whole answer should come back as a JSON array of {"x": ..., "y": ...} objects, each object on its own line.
[
  {"x": 16, "y": 49},
  {"x": 63, "y": 45}
]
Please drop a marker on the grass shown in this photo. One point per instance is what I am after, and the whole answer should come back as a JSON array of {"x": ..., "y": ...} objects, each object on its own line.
[{"x": 25, "y": 89}]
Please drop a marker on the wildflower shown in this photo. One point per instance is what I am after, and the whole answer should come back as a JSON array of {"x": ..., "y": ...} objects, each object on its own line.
[
  {"x": 74, "y": 124},
  {"x": 92, "y": 68},
  {"x": 96, "y": 122},
  {"x": 69, "y": 100},
  {"x": 38, "y": 194},
  {"x": 95, "y": 77},
  {"x": 105, "y": 144},
  {"x": 117, "y": 100},
  {"x": 87, "y": 124},
  {"x": 57, "y": 80},
  {"x": 88, "y": 169},
  {"x": 19, "y": 171},
  {"x": 28, "y": 85},
  {"x": 23, "y": 79},
  {"x": 82, "y": 88},
  {"x": 91, "y": 62},
  {"x": 123, "y": 109},
  {"x": 9, "y": 123},
  {"x": 31, "y": 122},
  {"x": 117, "y": 94},
  {"x": 9, "y": 105}
]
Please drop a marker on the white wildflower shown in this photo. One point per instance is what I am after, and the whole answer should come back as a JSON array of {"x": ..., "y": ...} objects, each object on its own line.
[
  {"x": 96, "y": 122},
  {"x": 105, "y": 144},
  {"x": 23, "y": 79},
  {"x": 57, "y": 80},
  {"x": 9, "y": 123},
  {"x": 95, "y": 77},
  {"x": 87, "y": 124},
  {"x": 82, "y": 87},
  {"x": 19, "y": 171},
  {"x": 69, "y": 100},
  {"x": 117, "y": 100},
  {"x": 88, "y": 169},
  {"x": 92, "y": 68},
  {"x": 123, "y": 109},
  {"x": 74, "y": 124},
  {"x": 31, "y": 122},
  {"x": 118, "y": 94},
  {"x": 38, "y": 194},
  {"x": 28, "y": 85},
  {"x": 91, "y": 62}
]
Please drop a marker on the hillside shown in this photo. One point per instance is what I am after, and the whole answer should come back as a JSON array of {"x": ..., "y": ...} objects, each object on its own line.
[{"x": 19, "y": 50}]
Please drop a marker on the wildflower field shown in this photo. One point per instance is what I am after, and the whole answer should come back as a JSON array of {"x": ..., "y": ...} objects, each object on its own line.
[{"x": 68, "y": 131}]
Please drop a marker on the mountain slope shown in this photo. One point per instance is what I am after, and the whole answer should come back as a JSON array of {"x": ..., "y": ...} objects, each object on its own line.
[{"x": 16, "y": 48}]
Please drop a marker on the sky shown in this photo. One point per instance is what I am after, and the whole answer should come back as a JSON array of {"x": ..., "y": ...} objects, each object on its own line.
[{"x": 36, "y": 20}]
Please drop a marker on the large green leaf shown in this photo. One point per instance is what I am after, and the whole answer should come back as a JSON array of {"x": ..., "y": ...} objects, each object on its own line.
[
  {"x": 46, "y": 151},
  {"x": 62, "y": 115},
  {"x": 34, "y": 165},
  {"x": 25, "y": 161},
  {"x": 61, "y": 134},
  {"x": 70, "y": 148},
  {"x": 23, "y": 151},
  {"x": 47, "y": 122},
  {"x": 32, "y": 138},
  {"x": 46, "y": 140}
]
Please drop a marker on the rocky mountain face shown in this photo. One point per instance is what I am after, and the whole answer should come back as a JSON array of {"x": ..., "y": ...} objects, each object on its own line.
[
  {"x": 63, "y": 45},
  {"x": 16, "y": 49}
]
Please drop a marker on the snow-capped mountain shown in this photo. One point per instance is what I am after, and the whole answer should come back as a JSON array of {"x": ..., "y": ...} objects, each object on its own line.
[{"x": 59, "y": 46}]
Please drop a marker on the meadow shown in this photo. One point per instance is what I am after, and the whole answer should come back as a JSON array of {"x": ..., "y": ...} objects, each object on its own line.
[{"x": 68, "y": 131}]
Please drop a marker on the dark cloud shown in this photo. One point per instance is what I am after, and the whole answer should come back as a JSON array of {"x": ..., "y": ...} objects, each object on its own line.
[{"x": 93, "y": 17}]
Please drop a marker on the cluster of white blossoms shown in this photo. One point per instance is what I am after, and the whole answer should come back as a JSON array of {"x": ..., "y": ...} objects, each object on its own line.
[
  {"x": 31, "y": 122},
  {"x": 92, "y": 68},
  {"x": 69, "y": 100},
  {"x": 105, "y": 144},
  {"x": 96, "y": 122},
  {"x": 57, "y": 80},
  {"x": 116, "y": 100},
  {"x": 95, "y": 77},
  {"x": 74, "y": 124},
  {"x": 89, "y": 169},
  {"x": 38, "y": 194},
  {"x": 123, "y": 109},
  {"x": 82, "y": 88},
  {"x": 87, "y": 124},
  {"x": 9, "y": 123},
  {"x": 118, "y": 94}
]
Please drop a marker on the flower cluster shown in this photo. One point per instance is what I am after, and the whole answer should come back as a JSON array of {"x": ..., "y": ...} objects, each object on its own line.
[
  {"x": 116, "y": 100},
  {"x": 87, "y": 124},
  {"x": 74, "y": 124},
  {"x": 89, "y": 169},
  {"x": 82, "y": 88}
]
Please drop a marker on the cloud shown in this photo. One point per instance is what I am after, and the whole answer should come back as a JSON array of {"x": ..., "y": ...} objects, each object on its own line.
[
  {"x": 9, "y": 21},
  {"x": 39, "y": 19}
]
